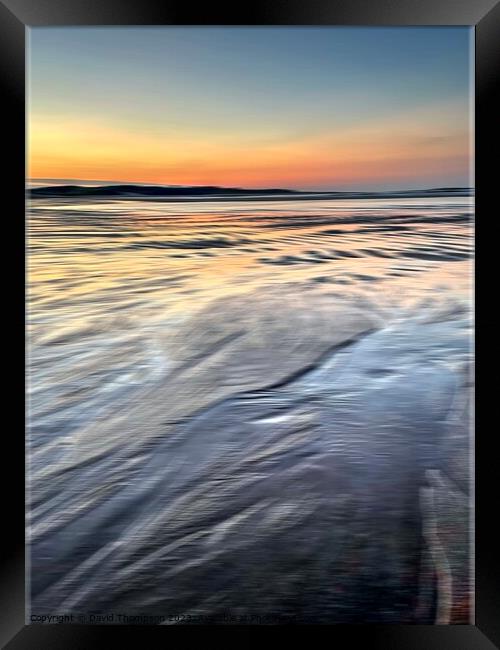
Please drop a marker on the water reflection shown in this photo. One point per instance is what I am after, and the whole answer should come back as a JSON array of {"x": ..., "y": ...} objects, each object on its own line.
[{"x": 258, "y": 406}]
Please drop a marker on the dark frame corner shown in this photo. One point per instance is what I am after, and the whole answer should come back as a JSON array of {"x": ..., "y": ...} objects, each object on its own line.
[{"x": 15, "y": 17}]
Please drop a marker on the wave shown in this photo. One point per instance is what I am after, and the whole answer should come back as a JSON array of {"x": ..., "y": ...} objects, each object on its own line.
[{"x": 294, "y": 459}]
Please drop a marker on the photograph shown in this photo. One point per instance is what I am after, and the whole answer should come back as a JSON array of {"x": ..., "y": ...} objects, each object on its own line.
[{"x": 250, "y": 325}]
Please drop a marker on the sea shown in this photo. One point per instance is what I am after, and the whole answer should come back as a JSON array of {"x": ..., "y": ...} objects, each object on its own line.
[{"x": 250, "y": 410}]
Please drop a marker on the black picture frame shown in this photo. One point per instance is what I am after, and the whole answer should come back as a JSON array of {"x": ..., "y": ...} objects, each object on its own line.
[{"x": 18, "y": 15}]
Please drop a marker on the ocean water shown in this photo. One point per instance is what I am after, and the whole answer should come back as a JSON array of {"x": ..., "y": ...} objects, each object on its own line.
[{"x": 250, "y": 408}]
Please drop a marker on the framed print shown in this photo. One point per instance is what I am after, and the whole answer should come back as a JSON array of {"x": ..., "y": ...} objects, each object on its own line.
[{"x": 254, "y": 256}]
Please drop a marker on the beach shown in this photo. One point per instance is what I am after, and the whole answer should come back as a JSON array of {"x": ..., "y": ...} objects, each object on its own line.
[{"x": 255, "y": 407}]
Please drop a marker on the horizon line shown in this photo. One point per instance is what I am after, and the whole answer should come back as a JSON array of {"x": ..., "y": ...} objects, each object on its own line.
[{"x": 102, "y": 184}]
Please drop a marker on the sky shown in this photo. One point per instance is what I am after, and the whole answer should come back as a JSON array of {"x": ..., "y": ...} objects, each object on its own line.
[{"x": 319, "y": 108}]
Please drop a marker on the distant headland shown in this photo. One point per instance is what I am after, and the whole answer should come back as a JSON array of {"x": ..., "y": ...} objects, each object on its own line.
[{"x": 209, "y": 191}]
